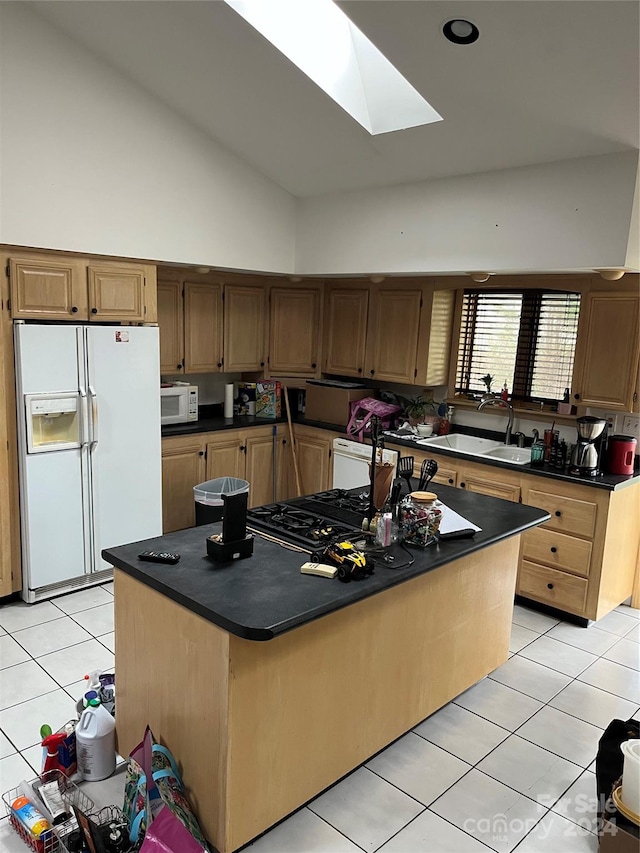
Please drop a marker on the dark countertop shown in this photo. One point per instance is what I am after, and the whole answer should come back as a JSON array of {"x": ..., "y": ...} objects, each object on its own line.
[
  {"x": 265, "y": 595},
  {"x": 609, "y": 482}
]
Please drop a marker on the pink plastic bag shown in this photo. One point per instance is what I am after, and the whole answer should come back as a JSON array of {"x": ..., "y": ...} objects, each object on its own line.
[
  {"x": 364, "y": 410},
  {"x": 167, "y": 834}
]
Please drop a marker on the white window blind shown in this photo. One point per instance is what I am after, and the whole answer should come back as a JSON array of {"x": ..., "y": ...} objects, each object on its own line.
[{"x": 524, "y": 338}]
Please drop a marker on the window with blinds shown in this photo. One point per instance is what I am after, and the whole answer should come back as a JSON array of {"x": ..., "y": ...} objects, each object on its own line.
[{"x": 525, "y": 338}]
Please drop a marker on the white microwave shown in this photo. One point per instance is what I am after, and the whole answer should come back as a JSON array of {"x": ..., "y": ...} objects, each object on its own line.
[{"x": 178, "y": 404}]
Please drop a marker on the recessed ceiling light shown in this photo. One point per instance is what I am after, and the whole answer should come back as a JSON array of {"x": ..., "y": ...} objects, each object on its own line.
[{"x": 459, "y": 31}]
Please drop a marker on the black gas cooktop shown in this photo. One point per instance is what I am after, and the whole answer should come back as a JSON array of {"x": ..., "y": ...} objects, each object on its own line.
[{"x": 315, "y": 520}]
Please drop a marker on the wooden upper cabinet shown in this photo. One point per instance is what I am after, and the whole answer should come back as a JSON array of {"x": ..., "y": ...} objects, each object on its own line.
[
  {"x": 434, "y": 337},
  {"x": 171, "y": 323},
  {"x": 75, "y": 289},
  {"x": 44, "y": 289},
  {"x": 392, "y": 336},
  {"x": 202, "y": 328},
  {"x": 294, "y": 331},
  {"x": 116, "y": 293},
  {"x": 346, "y": 311},
  {"x": 607, "y": 351},
  {"x": 244, "y": 328}
]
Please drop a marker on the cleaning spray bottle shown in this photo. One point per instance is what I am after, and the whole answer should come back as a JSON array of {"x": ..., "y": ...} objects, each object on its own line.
[{"x": 52, "y": 742}]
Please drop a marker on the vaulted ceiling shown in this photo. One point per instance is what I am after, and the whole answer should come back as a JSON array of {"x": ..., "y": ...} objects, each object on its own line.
[{"x": 547, "y": 80}]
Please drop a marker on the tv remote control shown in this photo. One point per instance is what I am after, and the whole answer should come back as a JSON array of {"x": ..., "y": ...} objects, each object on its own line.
[{"x": 159, "y": 557}]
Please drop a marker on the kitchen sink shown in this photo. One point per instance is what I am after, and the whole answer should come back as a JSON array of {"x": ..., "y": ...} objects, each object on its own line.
[
  {"x": 461, "y": 443},
  {"x": 472, "y": 446},
  {"x": 516, "y": 455}
]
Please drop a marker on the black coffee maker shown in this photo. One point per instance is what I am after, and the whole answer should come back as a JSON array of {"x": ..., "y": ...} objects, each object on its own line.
[{"x": 588, "y": 451}]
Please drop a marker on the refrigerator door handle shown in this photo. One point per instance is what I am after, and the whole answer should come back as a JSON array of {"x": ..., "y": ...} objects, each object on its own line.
[
  {"x": 94, "y": 416},
  {"x": 84, "y": 418}
]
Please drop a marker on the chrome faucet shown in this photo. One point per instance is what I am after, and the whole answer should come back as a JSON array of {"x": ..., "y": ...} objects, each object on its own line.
[{"x": 490, "y": 400}]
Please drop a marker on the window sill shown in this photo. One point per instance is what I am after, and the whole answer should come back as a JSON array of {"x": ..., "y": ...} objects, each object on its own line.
[{"x": 520, "y": 410}]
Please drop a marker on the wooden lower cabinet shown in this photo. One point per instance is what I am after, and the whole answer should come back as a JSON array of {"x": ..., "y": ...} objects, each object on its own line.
[
  {"x": 584, "y": 559},
  {"x": 183, "y": 467},
  {"x": 250, "y": 454},
  {"x": 314, "y": 456}
]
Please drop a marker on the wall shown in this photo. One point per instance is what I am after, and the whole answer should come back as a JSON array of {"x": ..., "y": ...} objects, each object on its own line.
[
  {"x": 568, "y": 215},
  {"x": 89, "y": 162}
]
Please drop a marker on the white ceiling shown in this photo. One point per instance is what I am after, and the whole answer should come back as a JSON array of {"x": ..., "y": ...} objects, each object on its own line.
[{"x": 548, "y": 80}]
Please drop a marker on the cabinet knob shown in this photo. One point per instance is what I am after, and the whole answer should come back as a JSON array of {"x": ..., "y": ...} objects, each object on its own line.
[
  {"x": 359, "y": 370},
  {"x": 243, "y": 448},
  {"x": 94, "y": 310},
  {"x": 372, "y": 372},
  {"x": 450, "y": 481},
  {"x": 554, "y": 550},
  {"x": 557, "y": 513},
  {"x": 219, "y": 364},
  {"x": 201, "y": 453},
  {"x": 314, "y": 365},
  {"x": 549, "y": 586},
  {"x": 462, "y": 485},
  {"x": 576, "y": 396},
  {"x": 262, "y": 364},
  {"x": 74, "y": 310},
  {"x": 178, "y": 367}
]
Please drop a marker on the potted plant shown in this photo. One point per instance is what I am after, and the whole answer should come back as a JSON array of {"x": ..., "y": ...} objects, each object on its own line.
[{"x": 415, "y": 410}]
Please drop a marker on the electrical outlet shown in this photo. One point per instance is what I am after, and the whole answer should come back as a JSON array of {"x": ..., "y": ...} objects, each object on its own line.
[
  {"x": 631, "y": 425},
  {"x": 612, "y": 423}
]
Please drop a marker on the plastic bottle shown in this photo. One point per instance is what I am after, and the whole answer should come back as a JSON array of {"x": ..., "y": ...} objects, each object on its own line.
[
  {"x": 29, "y": 816},
  {"x": 445, "y": 423},
  {"x": 51, "y": 744},
  {"x": 95, "y": 742},
  {"x": 504, "y": 394}
]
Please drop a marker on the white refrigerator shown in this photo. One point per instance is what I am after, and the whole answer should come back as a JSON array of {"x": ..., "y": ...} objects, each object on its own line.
[{"x": 88, "y": 400}]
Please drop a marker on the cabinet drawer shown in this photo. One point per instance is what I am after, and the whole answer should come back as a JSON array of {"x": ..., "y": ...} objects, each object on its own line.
[
  {"x": 557, "y": 550},
  {"x": 558, "y": 589},
  {"x": 568, "y": 515}
]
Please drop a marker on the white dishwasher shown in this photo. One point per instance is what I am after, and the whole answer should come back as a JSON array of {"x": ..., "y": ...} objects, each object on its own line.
[{"x": 351, "y": 463}]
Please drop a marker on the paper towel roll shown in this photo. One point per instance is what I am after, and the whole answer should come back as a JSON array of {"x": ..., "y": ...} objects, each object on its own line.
[{"x": 228, "y": 400}]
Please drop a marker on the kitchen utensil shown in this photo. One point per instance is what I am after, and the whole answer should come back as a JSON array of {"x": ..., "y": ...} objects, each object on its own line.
[
  {"x": 621, "y": 454},
  {"x": 428, "y": 470},
  {"x": 405, "y": 470}
]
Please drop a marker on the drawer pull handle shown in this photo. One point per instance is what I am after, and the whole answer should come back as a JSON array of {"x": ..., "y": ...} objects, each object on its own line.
[
  {"x": 557, "y": 513},
  {"x": 549, "y": 586},
  {"x": 553, "y": 550}
]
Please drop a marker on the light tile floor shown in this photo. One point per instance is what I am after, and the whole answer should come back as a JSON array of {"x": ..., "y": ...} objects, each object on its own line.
[{"x": 508, "y": 765}]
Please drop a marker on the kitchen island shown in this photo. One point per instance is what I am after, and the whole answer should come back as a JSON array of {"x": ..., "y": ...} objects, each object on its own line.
[{"x": 269, "y": 685}]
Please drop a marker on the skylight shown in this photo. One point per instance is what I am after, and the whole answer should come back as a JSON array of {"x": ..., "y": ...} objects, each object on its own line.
[{"x": 319, "y": 38}]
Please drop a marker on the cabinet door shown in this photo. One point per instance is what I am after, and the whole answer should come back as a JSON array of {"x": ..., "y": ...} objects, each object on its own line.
[
  {"x": 225, "y": 455},
  {"x": 43, "y": 289},
  {"x": 346, "y": 331},
  {"x": 244, "y": 328},
  {"x": 202, "y": 328},
  {"x": 171, "y": 323},
  {"x": 392, "y": 337},
  {"x": 261, "y": 465},
  {"x": 313, "y": 456},
  {"x": 183, "y": 467},
  {"x": 116, "y": 293},
  {"x": 294, "y": 332},
  {"x": 607, "y": 352}
]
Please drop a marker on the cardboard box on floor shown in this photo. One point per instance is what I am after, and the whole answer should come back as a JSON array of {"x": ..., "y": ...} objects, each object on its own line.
[
  {"x": 618, "y": 836},
  {"x": 329, "y": 402}
]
